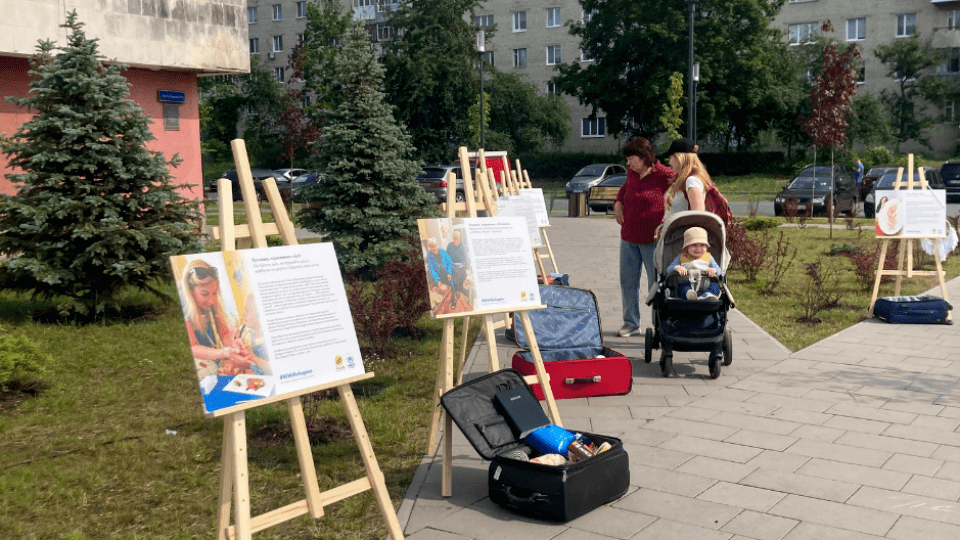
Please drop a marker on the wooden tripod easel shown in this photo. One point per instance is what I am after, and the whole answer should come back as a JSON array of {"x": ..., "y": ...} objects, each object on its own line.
[
  {"x": 445, "y": 379},
  {"x": 234, "y": 479},
  {"x": 906, "y": 250}
]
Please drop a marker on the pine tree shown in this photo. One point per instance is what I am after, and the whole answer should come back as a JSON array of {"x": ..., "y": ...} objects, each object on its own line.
[
  {"x": 96, "y": 211},
  {"x": 369, "y": 200}
]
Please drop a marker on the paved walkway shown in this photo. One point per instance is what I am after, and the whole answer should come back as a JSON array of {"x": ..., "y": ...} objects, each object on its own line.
[{"x": 856, "y": 437}]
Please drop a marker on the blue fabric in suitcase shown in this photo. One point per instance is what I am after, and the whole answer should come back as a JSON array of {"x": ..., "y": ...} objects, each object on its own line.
[
  {"x": 913, "y": 310},
  {"x": 570, "y": 321}
]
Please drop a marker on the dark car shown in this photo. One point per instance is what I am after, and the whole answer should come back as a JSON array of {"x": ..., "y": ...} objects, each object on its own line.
[
  {"x": 294, "y": 188},
  {"x": 433, "y": 179},
  {"x": 258, "y": 177},
  {"x": 592, "y": 175},
  {"x": 813, "y": 182},
  {"x": 950, "y": 174},
  {"x": 600, "y": 198},
  {"x": 889, "y": 179},
  {"x": 866, "y": 185}
]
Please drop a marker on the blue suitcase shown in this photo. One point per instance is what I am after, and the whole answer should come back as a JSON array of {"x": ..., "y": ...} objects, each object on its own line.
[{"x": 913, "y": 310}]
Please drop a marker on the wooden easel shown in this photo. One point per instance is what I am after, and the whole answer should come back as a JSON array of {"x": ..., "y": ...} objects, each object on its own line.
[
  {"x": 906, "y": 250},
  {"x": 234, "y": 479},
  {"x": 445, "y": 379}
]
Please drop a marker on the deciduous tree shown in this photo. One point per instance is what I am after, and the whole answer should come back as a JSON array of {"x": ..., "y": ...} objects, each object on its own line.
[{"x": 908, "y": 61}]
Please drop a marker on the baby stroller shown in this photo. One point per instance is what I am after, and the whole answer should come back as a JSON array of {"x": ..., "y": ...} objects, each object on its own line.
[{"x": 689, "y": 325}]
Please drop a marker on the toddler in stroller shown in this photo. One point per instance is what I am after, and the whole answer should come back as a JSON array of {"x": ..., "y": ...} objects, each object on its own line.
[{"x": 690, "y": 299}]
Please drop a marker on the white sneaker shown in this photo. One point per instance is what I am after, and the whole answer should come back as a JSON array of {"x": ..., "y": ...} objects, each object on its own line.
[
  {"x": 628, "y": 331},
  {"x": 709, "y": 296},
  {"x": 691, "y": 294}
]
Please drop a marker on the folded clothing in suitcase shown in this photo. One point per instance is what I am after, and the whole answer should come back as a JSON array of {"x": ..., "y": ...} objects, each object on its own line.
[
  {"x": 558, "y": 492},
  {"x": 913, "y": 309},
  {"x": 570, "y": 343}
]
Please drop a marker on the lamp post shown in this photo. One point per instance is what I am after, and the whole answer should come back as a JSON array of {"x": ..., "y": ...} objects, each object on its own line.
[
  {"x": 481, "y": 48},
  {"x": 696, "y": 81},
  {"x": 692, "y": 4}
]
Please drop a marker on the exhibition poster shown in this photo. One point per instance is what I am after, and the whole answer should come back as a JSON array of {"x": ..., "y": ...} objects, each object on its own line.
[
  {"x": 539, "y": 205},
  {"x": 521, "y": 206},
  {"x": 478, "y": 265},
  {"x": 266, "y": 322},
  {"x": 916, "y": 213}
]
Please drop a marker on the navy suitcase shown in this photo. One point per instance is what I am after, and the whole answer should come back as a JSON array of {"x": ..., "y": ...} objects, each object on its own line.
[
  {"x": 556, "y": 492},
  {"x": 913, "y": 310},
  {"x": 570, "y": 343}
]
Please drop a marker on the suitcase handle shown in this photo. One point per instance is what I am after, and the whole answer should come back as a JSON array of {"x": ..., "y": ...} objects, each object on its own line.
[
  {"x": 521, "y": 502},
  {"x": 574, "y": 380}
]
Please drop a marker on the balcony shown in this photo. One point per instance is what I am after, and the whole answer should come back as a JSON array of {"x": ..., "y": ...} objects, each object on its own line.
[{"x": 945, "y": 38}]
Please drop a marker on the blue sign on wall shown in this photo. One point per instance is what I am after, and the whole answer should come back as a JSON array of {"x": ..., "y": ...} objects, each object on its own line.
[{"x": 169, "y": 96}]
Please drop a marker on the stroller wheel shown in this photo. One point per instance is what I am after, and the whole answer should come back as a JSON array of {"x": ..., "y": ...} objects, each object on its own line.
[
  {"x": 714, "y": 365},
  {"x": 727, "y": 347},
  {"x": 666, "y": 364},
  {"x": 648, "y": 345}
]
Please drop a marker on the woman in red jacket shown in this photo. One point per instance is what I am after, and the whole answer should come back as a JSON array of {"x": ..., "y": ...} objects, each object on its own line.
[{"x": 639, "y": 211}]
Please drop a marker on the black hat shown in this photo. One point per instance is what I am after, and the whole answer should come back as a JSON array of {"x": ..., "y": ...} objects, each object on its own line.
[{"x": 682, "y": 145}]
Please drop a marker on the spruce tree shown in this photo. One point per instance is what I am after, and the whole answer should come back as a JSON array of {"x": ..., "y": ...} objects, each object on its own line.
[
  {"x": 369, "y": 200},
  {"x": 96, "y": 211}
]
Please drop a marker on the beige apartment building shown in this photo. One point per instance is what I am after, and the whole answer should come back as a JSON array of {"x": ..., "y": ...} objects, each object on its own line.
[
  {"x": 532, "y": 37},
  {"x": 870, "y": 23}
]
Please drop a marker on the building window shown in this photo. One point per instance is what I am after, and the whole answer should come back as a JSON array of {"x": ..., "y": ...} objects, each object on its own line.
[
  {"x": 301, "y": 10},
  {"x": 519, "y": 58},
  {"x": 301, "y": 37},
  {"x": 553, "y": 17},
  {"x": 278, "y": 72},
  {"x": 553, "y": 88},
  {"x": 593, "y": 127},
  {"x": 171, "y": 117},
  {"x": 484, "y": 21},
  {"x": 857, "y": 29},
  {"x": 798, "y": 1},
  {"x": 384, "y": 32},
  {"x": 277, "y": 43},
  {"x": 364, "y": 3},
  {"x": 252, "y": 15},
  {"x": 519, "y": 21},
  {"x": 585, "y": 16},
  {"x": 487, "y": 57},
  {"x": 553, "y": 55},
  {"x": 277, "y": 12},
  {"x": 586, "y": 56},
  {"x": 861, "y": 76},
  {"x": 801, "y": 33},
  {"x": 254, "y": 45},
  {"x": 952, "y": 63},
  {"x": 953, "y": 20},
  {"x": 951, "y": 111},
  {"x": 906, "y": 24}
]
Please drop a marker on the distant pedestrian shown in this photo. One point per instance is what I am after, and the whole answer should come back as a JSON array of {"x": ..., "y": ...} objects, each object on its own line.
[
  {"x": 639, "y": 210},
  {"x": 858, "y": 173}
]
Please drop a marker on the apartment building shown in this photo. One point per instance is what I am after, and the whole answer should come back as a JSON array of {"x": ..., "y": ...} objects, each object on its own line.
[
  {"x": 167, "y": 47},
  {"x": 531, "y": 39},
  {"x": 870, "y": 23}
]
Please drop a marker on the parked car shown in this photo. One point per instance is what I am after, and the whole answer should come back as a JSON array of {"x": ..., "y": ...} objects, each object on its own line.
[
  {"x": 290, "y": 174},
  {"x": 813, "y": 182},
  {"x": 592, "y": 175},
  {"x": 294, "y": 187},
  {"x": 934, "y": 181},
  {"x": 258, "y": 176},
  {"x": 866, "y": 185},
  {"x": 433, "y": 179},
  {"x": 950, "y": 174},
  {"x": 600, "y": 198}
]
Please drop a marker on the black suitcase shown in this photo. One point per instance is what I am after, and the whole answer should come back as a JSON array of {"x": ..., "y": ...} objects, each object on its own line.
[
  {"x": 561, "y": 492},
  {"x": 913, "y": 310}
]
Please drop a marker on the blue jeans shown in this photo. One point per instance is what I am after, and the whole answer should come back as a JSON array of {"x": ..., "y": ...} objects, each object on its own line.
[{"x": 632, "y": 256}]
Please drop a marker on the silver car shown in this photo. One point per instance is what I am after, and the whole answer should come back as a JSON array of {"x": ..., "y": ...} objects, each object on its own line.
[
  {"x": 433, "y": 179},
  {"x": 592, "y": 175}
]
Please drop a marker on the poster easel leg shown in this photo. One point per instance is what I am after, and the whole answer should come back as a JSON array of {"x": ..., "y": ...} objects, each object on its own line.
[
  {"x": 308, "y": 470},
  {"x": 441, "y": 384},
  {"x": 493, "y": 359},
  {"x": 374, "y": 474},
  {"x": 464, "y": 333},
  {"x": 234, "y": 474},
  {"x": 541, "y": 371},
  {"x": 876, "y": 282},
  {"x": 226, "y": 484}
]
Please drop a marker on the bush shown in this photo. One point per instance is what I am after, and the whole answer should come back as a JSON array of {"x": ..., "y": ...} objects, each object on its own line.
[
  {"x": 21, "y": 362},
  {"x": 759, "y": 223}
]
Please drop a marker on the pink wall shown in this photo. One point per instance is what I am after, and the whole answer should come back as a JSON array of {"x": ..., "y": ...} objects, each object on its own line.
[{"x": 14, "y": 81}]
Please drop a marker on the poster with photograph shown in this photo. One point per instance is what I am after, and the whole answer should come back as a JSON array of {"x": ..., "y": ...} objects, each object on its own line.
[
  {"x": 916, "y": 213},
  {"x": 520, "y": 206},
  {"x": 478, "y": 264},
  {"x": 265, "y": 322}
]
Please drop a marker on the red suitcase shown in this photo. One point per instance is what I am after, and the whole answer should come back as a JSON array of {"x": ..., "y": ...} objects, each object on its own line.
[{"x": 570, "y": 343}]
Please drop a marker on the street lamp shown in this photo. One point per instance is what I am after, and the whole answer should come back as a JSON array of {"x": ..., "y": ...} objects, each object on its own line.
[
  {"x": 696, "y": 81},
  {"x": 481, "y": 48},
  {"x": 692, "y": 4}
]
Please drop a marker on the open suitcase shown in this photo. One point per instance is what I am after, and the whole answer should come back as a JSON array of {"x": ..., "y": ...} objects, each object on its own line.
[
  {"x": 570, "y": 343},
  {"x": 557, "y": 492},
  {"x": 913, "y": 310}
]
